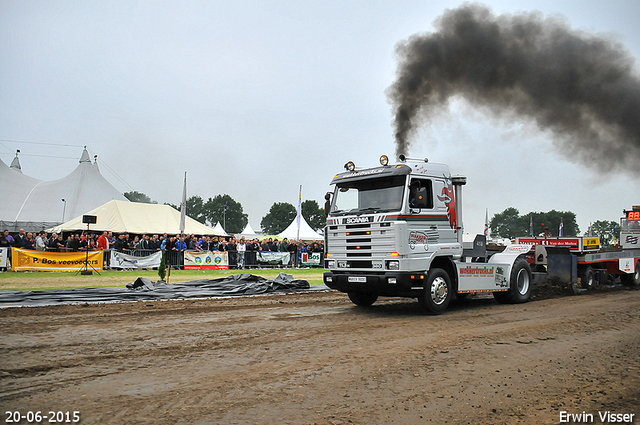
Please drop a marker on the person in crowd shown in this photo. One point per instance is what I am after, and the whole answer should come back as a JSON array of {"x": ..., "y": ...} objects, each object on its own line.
[
  {"x": 241, "y": 249},
  {"x": 112, "y": 240},
  {"x": 193, "y": 244},
  {"x": 180, "y": 244},
  {"x": 154, "y": 243},
  {"x": 9, "y": 238},
  {"x": 28, "y": 242},
  {"x": 19, "y": 238},
  {"x": 206, "y": 244},
  {"x": 11, "y": 242},
  {"x": 103, "y": 241},
  {"x": 73, "y": 242},
  {"x": 4, "y": 243},
  {"x": 121, "y": 243},
  {"x": 135, "y": 243},
  {"x": 144, "y": 242},
  {"x": 55, "y": 243},
  {"x": 284, "y": 245},
  {"x": 41, "y": 241},
  {"x": 84, "y": 243},
  {"x": 293, "y": 253}
]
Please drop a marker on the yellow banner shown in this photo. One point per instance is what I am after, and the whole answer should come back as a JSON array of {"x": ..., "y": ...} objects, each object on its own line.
[{"x": 31, "y": 260}]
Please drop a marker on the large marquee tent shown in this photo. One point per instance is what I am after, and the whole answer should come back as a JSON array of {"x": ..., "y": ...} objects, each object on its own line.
[
  {"x": 136, "y": 218},
  {"x": 34, "y": 204}
]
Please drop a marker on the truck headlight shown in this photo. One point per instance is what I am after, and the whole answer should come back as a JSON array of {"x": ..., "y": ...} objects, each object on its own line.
[
  {"x": 393, "y": 265},
  {"x": 331, "y": 264}
]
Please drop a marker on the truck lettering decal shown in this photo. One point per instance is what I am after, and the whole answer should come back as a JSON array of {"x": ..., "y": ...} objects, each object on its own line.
[
  {"x": 422, "y": 238},
  {"x": 448, "y": 198},
  {"x": 476, "y": 271}
]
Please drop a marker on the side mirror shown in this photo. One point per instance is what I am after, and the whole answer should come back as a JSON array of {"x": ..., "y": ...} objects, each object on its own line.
[{"x": 327, "y": 203}]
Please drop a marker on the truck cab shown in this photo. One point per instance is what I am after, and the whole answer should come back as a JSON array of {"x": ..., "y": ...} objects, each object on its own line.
[{"x": 394, "y": 230}]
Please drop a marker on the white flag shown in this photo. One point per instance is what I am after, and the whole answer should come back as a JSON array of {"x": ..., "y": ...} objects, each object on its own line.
[
  {"x": 183, "y": 205},
  {"x": 299, "y": 213}
]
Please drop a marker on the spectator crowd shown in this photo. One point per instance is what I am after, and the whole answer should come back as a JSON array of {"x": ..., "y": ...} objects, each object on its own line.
[{"x": 242, "y": 252}]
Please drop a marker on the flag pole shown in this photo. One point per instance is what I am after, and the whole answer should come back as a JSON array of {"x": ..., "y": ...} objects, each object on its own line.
[{"x": 183, "y": 205}]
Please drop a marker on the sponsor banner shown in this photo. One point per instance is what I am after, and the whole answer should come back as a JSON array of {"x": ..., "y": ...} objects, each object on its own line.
[
  {"x": 32, "y": 260},
  {"x": 206, "y": 260},
  {"x": 3, "y": 256},
  {"x": 310, "y": 258},
  {"x": 126, "y": 261},
  {"x": 274, "y": 257}
]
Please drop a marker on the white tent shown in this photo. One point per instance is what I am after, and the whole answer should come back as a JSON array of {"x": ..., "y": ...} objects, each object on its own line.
[
  {"x": 28, "y": 200},
  {"x": 137, "y": 218},
  {"x": 219, "y": 230},
  {"x": 248, "y": 232},
  {"x": 306, "y": 232}
]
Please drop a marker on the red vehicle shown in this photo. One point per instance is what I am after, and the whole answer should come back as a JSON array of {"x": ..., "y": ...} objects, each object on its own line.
[{"x": 583, "y": 263}]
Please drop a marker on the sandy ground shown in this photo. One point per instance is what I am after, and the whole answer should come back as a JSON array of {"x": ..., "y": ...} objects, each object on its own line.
[{"x": 315, "y": 358}]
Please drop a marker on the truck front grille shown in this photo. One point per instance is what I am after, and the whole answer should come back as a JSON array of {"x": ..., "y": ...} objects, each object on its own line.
[{"x": 359, "y": 246}]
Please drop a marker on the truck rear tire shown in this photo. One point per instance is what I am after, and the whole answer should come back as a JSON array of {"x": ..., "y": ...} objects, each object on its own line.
[
  {"x": 631, "y": 279},
  {"x": 362, "y": 299},
  {"x": 437, "y": 292},
  {"x": 519, "y": 284}
]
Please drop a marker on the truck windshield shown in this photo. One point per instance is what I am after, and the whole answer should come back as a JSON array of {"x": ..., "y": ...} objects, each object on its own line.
[{"x": 369, "y": 195}]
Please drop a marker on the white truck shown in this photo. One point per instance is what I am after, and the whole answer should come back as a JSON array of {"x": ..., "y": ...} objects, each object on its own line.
[{"x": 395, "y": 230}]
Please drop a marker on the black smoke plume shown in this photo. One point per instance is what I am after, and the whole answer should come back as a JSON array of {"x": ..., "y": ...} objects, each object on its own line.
[{"x": 580, "y": 86}]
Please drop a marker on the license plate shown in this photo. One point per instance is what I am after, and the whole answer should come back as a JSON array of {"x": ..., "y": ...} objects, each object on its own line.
[{"x": 358, "y": 279}]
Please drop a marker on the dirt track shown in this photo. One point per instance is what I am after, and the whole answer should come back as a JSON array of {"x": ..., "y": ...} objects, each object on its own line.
[{"x": 315, "y": 358}]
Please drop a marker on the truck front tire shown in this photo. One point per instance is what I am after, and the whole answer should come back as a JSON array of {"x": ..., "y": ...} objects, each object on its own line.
[{"x": 437, "y": 292}]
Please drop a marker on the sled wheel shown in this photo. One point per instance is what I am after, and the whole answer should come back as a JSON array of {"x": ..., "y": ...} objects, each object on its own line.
[{"x": 362, "y": 299}]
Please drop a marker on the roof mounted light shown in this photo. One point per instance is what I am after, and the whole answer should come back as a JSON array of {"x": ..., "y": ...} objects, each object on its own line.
[
  {"x": 384, "y": 160},
  {"x": 350, "y": 166}
]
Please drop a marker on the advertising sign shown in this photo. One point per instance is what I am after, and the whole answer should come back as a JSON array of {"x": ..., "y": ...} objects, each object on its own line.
[
  {"x": 310, "y": 258},
  {"x": 31, "y": 260},
  {"x": 3, "y": 256},
  {"x": 206, "y": 260},
  {"x": 125, "y": 261}
]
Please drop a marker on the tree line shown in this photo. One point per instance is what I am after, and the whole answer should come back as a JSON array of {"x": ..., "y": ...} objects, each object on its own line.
[
  {"x": 227, "y": 211},
  {"x": 511, "y": 224}
]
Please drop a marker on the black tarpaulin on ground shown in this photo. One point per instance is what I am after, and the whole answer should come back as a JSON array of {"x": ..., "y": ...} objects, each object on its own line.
[{"x": 145, "y": 289}]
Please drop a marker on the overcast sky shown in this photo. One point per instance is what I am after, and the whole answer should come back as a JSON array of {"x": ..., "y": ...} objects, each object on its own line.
[{"x": 255, "y": 98}]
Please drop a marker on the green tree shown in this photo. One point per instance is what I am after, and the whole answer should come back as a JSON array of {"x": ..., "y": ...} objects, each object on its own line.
[
  {"x": 278, "y": 218},
  {"x": 508, "y": 224},
  {"x": 605, "y": 230},
  {"x": 135, "y": 196},
  {"x": 224, "y": 209},
  {"x": 313, "y": 214},
  {"x": 196, "y": 209}
]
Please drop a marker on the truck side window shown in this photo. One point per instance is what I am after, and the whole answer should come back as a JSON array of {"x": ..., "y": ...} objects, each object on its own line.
[{"x": 420, "y": 194}]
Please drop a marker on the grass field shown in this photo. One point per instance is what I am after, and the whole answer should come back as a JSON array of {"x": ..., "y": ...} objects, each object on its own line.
[{"x": 37, "y": 281}]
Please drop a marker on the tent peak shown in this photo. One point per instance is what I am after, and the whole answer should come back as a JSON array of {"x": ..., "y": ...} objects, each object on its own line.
[
  {"x": 85, "y": 156},
  {"x": 15, "y": 164}
]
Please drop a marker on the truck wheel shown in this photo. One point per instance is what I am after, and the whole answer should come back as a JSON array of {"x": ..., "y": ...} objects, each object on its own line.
[
  {"x": 362, "y": 299},
  {"x": 520, "y": 282},
  {"x": 437, "y": 292},
  {"x": 588, "y": 278},
  {"x": 629, "y": 279}
]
